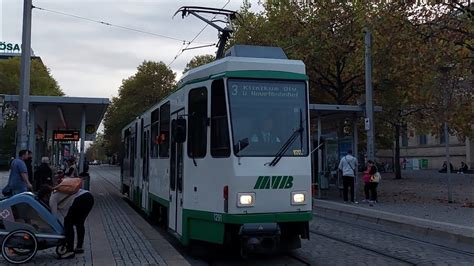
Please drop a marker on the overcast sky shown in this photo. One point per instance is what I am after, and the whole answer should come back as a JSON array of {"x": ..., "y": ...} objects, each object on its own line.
[{"x": 90, "y": 59}]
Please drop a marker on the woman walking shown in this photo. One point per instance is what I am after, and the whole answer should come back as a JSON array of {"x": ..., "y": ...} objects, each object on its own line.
[{"x": 73, "y": 209}]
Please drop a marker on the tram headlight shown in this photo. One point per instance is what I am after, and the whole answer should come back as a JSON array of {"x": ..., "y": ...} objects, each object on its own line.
[
  {"x": 298, "y": 198},
  {"x": 245, "y": 199}
]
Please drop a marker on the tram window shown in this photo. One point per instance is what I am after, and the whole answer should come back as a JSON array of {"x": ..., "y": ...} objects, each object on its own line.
[
  {"x": 197, "y": 123},
  {"x": 154, "y": 133},
  {"x": 164, "y": 150},
  {"x": 220, "y": 143}
]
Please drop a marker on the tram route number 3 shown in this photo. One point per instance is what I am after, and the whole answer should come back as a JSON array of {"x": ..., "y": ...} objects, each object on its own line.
[{"x": 217, "y": 217}]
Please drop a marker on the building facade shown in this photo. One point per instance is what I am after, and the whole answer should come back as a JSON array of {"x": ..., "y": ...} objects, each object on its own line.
[{"x": 426, "y": 151}]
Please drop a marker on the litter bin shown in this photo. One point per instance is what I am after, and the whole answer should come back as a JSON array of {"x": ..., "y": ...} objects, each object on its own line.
[{"x": 86, "y": 180}]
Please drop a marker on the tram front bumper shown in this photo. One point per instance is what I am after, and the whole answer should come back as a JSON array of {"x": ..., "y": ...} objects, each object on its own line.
[{"x": 259, "y": 237}]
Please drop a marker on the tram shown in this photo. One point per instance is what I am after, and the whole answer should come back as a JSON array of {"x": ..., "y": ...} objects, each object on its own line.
[{"x": 225, "y": 158}]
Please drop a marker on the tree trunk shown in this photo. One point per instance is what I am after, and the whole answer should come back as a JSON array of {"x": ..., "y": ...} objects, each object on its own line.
[{"x": 398, "y": 172}]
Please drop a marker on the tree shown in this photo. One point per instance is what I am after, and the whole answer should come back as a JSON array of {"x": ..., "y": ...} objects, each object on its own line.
[
  {"x": 328, "y": 37},
  {"x": 199, "y": 60},
  {"x": 96, "y": 150},
  {"x": 41, "y": 83},
  {"x": 152, "y": 82}
]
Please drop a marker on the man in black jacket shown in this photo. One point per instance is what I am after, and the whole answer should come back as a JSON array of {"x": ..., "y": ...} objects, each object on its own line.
[
  {"x": 44, "y": 174},
  {"x": 29, "y": 166}
]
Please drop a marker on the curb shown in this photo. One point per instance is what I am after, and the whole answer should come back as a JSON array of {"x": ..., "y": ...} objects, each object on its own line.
[{"x": 446, "y": 231}]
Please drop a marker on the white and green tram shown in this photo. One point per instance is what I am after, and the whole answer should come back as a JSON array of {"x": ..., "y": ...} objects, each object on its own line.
[{"x": 225, "y": 158}]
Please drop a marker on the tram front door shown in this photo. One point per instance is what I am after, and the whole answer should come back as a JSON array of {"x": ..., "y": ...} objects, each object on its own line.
[{"x": 176, "y": 180}]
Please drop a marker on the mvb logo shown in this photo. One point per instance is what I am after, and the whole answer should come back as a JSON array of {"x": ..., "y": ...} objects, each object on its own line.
[{"x": 275, "y": 182}]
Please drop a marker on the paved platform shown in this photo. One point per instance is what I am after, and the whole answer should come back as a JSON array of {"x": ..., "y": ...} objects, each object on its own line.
[
  {"x": 115, "y": 234},
  {"x": 448, "y": 231}
]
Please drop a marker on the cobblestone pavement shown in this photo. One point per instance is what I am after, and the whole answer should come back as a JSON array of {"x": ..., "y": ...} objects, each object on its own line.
[
  {"x": 422, "y": 194},
  {"x": 349, "y": 242},
  {"x": 334, "y": 240},
  {"x": 127, "y": 242}
]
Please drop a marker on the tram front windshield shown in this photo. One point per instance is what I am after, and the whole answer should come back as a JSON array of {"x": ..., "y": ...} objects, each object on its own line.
[{"x": 265, "y": 114}]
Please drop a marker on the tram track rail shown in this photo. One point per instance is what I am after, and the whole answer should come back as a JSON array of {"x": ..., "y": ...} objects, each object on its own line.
[
  {"x": 361, "y": 246},
  {"x": 400, "y": 236}
]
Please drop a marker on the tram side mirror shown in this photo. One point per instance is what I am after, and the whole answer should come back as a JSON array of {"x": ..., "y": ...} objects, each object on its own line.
[{"x": 180, "y": 130}]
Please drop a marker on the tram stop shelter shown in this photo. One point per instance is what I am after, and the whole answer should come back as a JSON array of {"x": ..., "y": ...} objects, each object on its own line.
[
  {"x": 57, "y": 122},
  {"x": 334, "y": 130}
]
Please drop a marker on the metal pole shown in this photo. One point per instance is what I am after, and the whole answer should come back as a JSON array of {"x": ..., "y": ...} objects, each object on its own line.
[
  {"x": 24, "y": 103},
  {"x": 320, "y": 156},
  {"x": 448, "y": 163},
  {"x": 83, "y": 137},
  {"x": 32, "y": 135},
  {"x": 368, "y": 95}
]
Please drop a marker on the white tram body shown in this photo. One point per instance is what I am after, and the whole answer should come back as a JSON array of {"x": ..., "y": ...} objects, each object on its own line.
[{"x": 200, "y": 160}]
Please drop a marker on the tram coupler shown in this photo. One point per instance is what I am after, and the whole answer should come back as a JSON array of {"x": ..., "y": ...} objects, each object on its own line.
[{"x": 259, "y": 237}]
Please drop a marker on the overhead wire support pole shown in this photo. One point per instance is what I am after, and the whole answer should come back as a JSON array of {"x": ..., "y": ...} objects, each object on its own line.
[
  {"x": 369, "y": 99},
  {"x": 24, "y": 100}
]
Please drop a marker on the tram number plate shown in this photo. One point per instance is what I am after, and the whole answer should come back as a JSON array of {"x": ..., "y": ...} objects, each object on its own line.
[
  {"x": 297, "y": 152},
  {"x": 217, "y": 217}
]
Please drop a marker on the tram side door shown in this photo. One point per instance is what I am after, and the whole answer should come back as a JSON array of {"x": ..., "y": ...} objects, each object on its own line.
[
  {"x": 145, "y": 169},
  {"x": 176, "y": 180}
]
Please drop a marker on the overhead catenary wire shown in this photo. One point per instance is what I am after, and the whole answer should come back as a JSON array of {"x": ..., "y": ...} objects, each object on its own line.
[
  {"x": 115, "y": 25},
  {"x": 181, "y": 51}
]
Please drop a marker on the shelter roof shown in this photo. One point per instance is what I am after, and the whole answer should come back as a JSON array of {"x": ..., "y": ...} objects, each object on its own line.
[{"x": 62, "y": 112}]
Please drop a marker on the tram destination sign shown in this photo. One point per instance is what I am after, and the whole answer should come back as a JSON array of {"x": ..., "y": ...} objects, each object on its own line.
[{"x": 66, "y": 135}]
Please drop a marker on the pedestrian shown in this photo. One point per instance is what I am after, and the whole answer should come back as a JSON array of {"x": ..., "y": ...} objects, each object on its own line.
[
  {"x": 29, "y": 166},
  {"x": 374, "y": 182},
  {"x": 370, "y": 183},
  {"x": 73, "y": 210},
  {"x": 71, "y": 170},
  {"x": 463, "y": 168},
  {"x": 18, "y": 181},
  {"x": 348, "y": 166},
  {"x": 366, "y": 179},
  {"x": 44, "y": 174}
]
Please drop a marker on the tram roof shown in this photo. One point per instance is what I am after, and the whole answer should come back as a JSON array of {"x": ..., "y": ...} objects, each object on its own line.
[
  {"x": 60, "y": 112},
  {"x": 236, "y": 64}
]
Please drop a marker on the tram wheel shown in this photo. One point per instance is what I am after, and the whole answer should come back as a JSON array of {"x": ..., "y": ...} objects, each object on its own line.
[{"x": 19, "y": 246}]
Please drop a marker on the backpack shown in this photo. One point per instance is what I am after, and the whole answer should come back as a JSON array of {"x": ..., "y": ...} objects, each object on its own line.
[{"x": 69, "y": 185}]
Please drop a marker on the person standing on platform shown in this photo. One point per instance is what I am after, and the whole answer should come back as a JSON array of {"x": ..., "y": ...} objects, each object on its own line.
[
  {"x": 348, "y": 166},
  {"x": 18, "y": 181},
  {"x": 71, "y": 170},
  {"x": 44, "y": 174},
  {"x": 29, "y": 166}
]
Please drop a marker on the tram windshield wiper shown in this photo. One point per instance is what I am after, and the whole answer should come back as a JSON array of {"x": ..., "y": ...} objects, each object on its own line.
[{"x": 288, "y": 143}]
